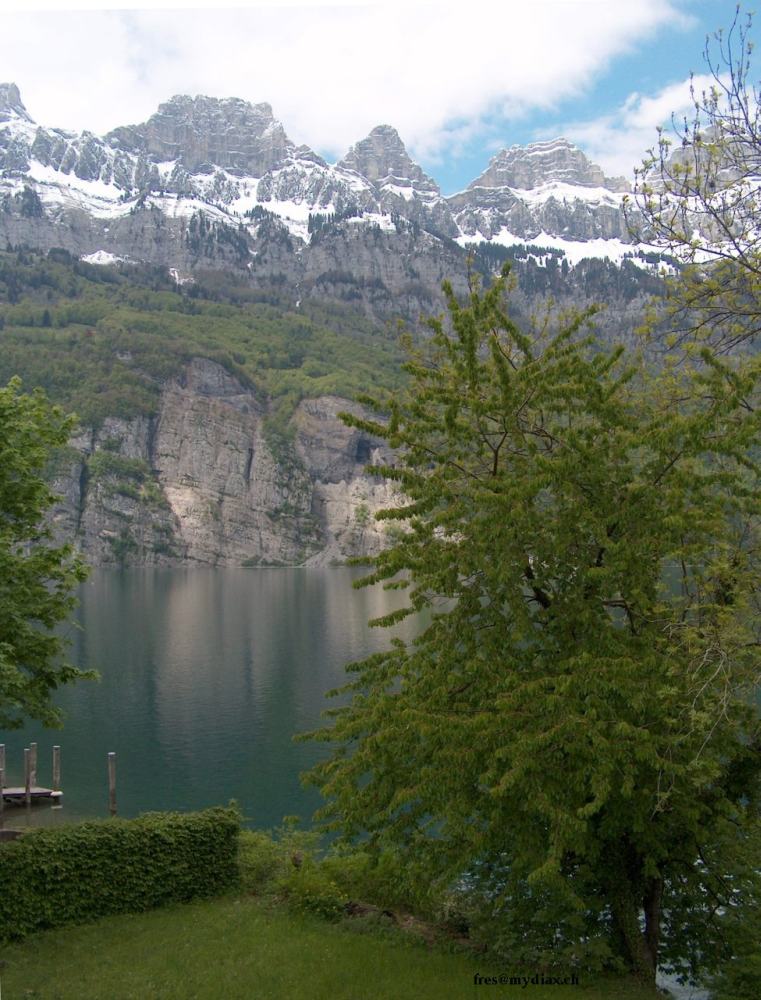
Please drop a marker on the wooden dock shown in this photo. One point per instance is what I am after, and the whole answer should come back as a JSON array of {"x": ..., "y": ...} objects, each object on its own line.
[
  {"x": 31, "y": 792},
  {"x": 17, "y": 796}
]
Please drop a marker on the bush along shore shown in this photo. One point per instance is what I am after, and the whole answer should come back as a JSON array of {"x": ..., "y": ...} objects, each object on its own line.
[
  {"x": 335, "y": 909},
  {"x": 290, "y": 919},
  {"x": 76, "y": 873}
]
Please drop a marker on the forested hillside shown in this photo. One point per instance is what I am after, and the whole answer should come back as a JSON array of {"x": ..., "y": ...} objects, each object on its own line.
[{"x": 102, "y": 340}]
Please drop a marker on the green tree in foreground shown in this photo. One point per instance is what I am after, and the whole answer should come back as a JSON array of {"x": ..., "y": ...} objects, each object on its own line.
[
  {"x": 36, "y": 577},
  {"x": 574, "y": 733}
]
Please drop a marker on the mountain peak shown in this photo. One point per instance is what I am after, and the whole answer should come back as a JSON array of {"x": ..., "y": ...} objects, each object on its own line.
[
  {"x": 382, "y": 157},
  {"x": 387, "y": 133},
  {"x": 202, "y": 131},
  {"x": 201, "y": 104},
  {"x": 11, "y": 104},
  {"x": 529, "y": 167}
]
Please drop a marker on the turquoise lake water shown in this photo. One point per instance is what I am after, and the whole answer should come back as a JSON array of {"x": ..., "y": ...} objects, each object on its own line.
[{"x": 206, "y": 675}]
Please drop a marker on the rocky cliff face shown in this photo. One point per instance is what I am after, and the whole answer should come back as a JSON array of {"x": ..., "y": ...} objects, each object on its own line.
[
  {"x": 546, "y": 188},
  {"x": 400, "y": 185},
  {"x": 201, "y": 482},
  {"x": 208, "y": 183},
  {"x": 11, "y": 105},
  {"x": 344, "y": 497},
  {"x": 528, "y": 167},
  {"x": 382, "y": 159},
  {"x": 201, "y": 133}
]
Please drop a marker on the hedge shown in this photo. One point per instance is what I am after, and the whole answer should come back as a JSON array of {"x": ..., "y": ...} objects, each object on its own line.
[{"x": 71, "y": 874}]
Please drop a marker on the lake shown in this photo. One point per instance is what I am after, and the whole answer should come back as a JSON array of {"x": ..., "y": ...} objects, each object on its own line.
[{"x": 206, "y": 674}]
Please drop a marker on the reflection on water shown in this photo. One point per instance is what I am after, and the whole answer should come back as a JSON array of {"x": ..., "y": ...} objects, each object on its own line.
[{"x": 206, "y": 675}]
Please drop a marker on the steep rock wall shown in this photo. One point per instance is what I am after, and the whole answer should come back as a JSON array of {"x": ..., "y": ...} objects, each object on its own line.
[
  {"x": 344, "y": 497},
  {"x": 201, "y": 481}
]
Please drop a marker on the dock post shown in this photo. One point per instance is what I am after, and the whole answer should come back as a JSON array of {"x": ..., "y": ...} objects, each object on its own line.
[
  {"x": 112, "y": 783},
  {"x": 33, "y": 764},
  {"x": 2, "y": 755},
  {"x": 2, "y": 786},
  {"x": 27, "y": 776},
  {"x": 56, "y": 769}
]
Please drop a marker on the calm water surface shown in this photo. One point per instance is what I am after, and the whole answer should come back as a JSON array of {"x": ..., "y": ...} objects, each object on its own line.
[{"x": 206, "y": 674}]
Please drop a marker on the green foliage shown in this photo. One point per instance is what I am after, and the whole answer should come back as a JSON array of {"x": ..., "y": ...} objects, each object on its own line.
[
  {"x": 259, "y": 857},
  {"x": 30, "y": 204},
  {"x": 37, "y": 577},
  {"x": 575, "y": 728},
  {"x": 394, "y": 532},
  {"x": 105, "y": 462},
  {"x": 387, "y": 880},
  {"x": 288, "y": 867},
  {"x": 123, "y": 545},
  {"x": 362, "y": 514},
  {"x": 71, "y": 874},
  {"x": 292, "y": 866},
  {"x": 739, "y": 980},
  {"x": 101, "y": 341},
  {"x": 509, "y": 915},
  {"x": 327, "y": 223},
  {"x": 545, "y": 271},
  {"x": 61, "y": 460},
  {"x": 308, "y": 889}
]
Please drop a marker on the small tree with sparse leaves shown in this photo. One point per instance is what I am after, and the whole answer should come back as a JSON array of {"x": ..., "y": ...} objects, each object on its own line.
[{"x": 698, "y": 197}]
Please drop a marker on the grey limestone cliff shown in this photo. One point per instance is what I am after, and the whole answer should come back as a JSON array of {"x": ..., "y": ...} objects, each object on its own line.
[
  {"x": 11, "y": 104},
  {"x": 201, "y": 133},
  {"x": 545, "y": 187},
  {"x": 383, "y": 159},
  {"x": 344, "y": 498},
  {"x": 528, "y": 167},
  {"x": 202, "y": 482},
  {"x": 402, "y": 187}
]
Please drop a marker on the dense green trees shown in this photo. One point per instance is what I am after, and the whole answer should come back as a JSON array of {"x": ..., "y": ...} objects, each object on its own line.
[
  {"x": 102, "y": 340},
  {"x": 37, "y": 577},
  {"x": 574, "y": 734}
]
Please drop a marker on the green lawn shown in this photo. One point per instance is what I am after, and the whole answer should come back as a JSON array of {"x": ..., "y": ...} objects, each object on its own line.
[{"x": 235, "y": 949}]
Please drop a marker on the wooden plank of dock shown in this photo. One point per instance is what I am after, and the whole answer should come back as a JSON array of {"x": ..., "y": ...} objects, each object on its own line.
[{"x": 17, "y": 795}]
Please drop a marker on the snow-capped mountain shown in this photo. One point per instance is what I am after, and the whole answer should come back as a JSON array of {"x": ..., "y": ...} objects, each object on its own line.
[
  {"x": 237, "y": 155},
  {"x": 548, "y": 193},
  {"x": 210, "y": 182},
  {"x": 400, "y": 185}
]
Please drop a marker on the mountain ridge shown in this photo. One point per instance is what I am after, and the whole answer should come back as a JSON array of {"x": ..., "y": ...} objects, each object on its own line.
[
  {"x": 201, "y": 113},
  {"x": 201, "y": 146},
  {"x": 210, "y": 182}
]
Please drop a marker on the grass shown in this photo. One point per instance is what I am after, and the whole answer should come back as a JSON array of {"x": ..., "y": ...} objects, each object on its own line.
[{"x": 238, "y": 949}]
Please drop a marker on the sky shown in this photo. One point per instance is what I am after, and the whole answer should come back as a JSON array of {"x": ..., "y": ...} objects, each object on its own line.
[{"x": 459, "y": 81}]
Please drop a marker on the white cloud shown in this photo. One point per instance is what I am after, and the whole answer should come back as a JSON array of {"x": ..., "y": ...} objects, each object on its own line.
[
  {"x": 437, "y": 71},
  {"x": 619, "y": 141}
]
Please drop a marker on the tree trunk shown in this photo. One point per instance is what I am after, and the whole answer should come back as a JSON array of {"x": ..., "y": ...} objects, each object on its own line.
[
  {"x": 652, "y": 906},
  {"x": 629, "y": 895},
  {"x": 637, "y": 949}
]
